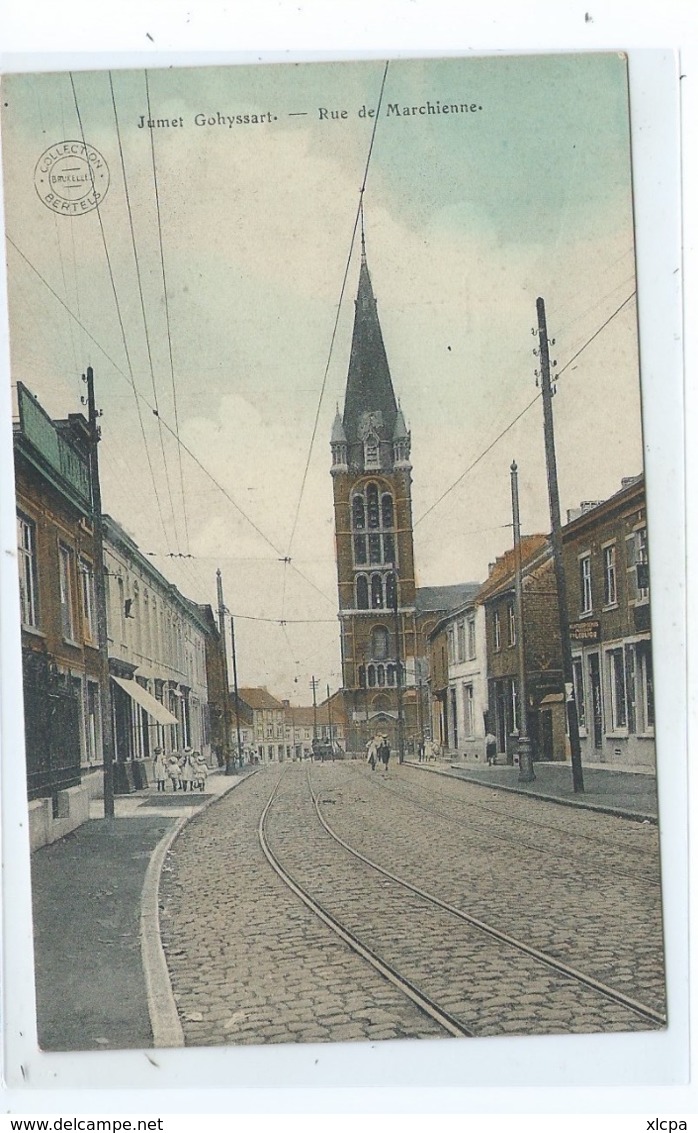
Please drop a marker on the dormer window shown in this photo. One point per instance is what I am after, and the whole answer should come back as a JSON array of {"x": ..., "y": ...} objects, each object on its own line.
[{"x": 372, "y": 451}]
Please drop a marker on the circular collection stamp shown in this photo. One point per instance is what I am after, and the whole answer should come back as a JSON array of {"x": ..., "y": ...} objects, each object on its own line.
[{"x": 71, "y": 178}]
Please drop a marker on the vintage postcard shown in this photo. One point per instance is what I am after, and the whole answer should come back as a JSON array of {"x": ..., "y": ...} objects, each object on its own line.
[{"x": 333, "y": 554}]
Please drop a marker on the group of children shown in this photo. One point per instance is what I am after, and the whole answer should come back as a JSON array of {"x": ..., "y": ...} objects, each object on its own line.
[{"x": 186, "y": 772}]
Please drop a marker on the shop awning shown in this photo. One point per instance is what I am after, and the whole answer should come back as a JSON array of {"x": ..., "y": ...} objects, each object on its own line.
[{"x": 142, "y": 697}]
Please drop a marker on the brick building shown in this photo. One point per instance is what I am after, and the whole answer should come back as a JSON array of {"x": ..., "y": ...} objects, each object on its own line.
[
  {"x": 543, "y": 656},
  {"x": 63, "y": 670},
  {"x": 607, "y": 569}
]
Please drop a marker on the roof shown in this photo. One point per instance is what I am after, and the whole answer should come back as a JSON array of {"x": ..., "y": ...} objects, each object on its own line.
[
  {"x": 443, "y": 599},
  {"x": 260, "y": 698},
  {"x": 369, "y": 385},
  {"x": 533, "y": 547},
  {"x": 594, "y": 513}
]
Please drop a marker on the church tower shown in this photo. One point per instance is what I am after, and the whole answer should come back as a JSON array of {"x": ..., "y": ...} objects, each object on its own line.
[{"x": 372, "y": 483}]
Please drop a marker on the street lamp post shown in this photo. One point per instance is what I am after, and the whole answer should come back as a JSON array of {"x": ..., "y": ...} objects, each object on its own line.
[
  {"x": 526, "y": 774},
  {"x": 398, "y": 667}
]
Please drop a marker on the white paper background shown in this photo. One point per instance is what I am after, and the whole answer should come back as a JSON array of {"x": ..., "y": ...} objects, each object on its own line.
[{"x": 496, "y": 1074}]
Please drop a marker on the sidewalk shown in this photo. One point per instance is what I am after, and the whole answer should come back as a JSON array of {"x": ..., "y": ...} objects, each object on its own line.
[
  {"x": 86, "y": 893},
  {"x": 624, "y": 793}
]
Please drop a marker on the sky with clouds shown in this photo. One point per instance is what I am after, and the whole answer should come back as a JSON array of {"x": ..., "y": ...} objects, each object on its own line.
[{"x": 469, "y": 217}]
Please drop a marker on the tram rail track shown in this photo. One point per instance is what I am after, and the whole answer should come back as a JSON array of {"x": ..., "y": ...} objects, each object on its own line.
[
  {"x": 424, "y": 1002},
  {"x": 503, "y": 812},
  {"x": 449, "y": 1022},
  {"x": 582, "y": 863}
]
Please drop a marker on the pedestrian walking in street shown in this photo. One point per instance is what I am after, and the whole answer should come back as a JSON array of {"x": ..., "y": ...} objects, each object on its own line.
[
  {"x": 200, "y": 772},
  {"x": 173, "y": 771},
  {"x": 159, "y": 769},
  {"x": 372, "y": 753},
  {"x": 384, "y": 753},
  {"x": 420, "y": 751},
  {"x": 491, "y": 749},
  {"x": 186, "y": 770}
]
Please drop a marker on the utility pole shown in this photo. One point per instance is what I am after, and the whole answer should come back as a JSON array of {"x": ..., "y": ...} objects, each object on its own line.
[
  {"x": 526, "y": 774},
  {"x": 329, "y": 712},
  {"x": 313, "y": 684},
  {"x": 396, "y": 611},
  {"x": 235, "y": 688},
  {"x": 556, "y": 538},
  {"x": 105, "y": 705},
  {"x": 226, "y": 702}
]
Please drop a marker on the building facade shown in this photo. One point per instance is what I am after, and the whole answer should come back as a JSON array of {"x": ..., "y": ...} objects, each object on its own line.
[
  {"x": 545, "y": 709},
  {"x": 63, "y": 671},
  {"x": 157, "y": 658},
  {"x": 606, "y": 559},
  {"x": 459, "y": 681},
  {"x": 268, "y": 739}
]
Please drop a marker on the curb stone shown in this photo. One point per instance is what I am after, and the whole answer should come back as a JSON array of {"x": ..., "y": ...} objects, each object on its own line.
[
  {"x": 601, "y": 808},
  {"x": 162, "y": 1009}
]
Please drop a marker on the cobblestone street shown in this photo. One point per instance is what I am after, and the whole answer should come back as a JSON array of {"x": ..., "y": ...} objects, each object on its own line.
[{"x": 477, "y": 912}]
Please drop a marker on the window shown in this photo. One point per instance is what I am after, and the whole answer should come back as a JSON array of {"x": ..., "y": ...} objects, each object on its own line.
[
  {"x": 578, "y": 677},
  {"x": 87, "y": 594},
  {"x": 645, "y": 687},
  {"x": 379, "y": 643},
  {"x": 610, "y": 593},
  {"x": 372, "y": 451},
  {"x": 585, "y": 584},
  {"x": 362, "y": 676},
  {"x": 497, "y": 630},
  {"x": 451, "y": 645},
  {"x": 454, "y": 718},
  {"x": 375, "y": 513},
  {"x": 376, "y": 592},
  {"x": 511, "y": 624},
  {"x": 391, "y": 674},
  {"x": 65, "y": 567},
  {"x": 28, "y": 571},
  {"x": 637, "y": 561},
  {"x": 361, "y": 592},
  {"x": 460, "y": 641},
  {"x": 616, "y": 676},
  {"x": 391, "y": 595},
  {"x": 642, "y": 565},
  {"x": 468, "y": 710},
  {"x": 472, "y": 651}
]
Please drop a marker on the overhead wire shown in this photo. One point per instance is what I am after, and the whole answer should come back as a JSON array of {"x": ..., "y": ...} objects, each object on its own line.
[
  {"x": 141, "y": 296},
  {"x": 519, "y": 415},
  {"x": 141, "y": 398},
  {"x": 339, "y": 309},
  {"x": 119, "y": 315},
  {"x": 167, "y": 313}
]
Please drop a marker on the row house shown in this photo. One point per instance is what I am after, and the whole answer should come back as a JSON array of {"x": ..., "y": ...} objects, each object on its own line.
[
  {"x": 268, "y": 741},
  {"x": 63, "y": 670},
  {"x": 545, "y": 708},
  {"x": 606, "y": 561},
  {"x": 324, "y": 723},
  {"x": 242, "y": 724},
  {"x": 157, "y": 659},
  {"x": 459, "y": 679}
]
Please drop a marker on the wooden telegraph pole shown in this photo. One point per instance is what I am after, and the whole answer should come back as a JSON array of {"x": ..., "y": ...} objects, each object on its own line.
[
  {"x": 235, "y": 689},
  {"x": 556, "y": 539},
  {"x": 105, "y": 705},
  {"x": 226, "y": 703}
]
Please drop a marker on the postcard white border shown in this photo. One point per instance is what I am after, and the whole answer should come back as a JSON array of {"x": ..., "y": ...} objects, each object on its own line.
[{"x": 635, "y": 1062}]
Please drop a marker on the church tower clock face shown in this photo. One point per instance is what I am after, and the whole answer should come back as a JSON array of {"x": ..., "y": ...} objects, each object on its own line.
[{"x": 372, "y": 478}]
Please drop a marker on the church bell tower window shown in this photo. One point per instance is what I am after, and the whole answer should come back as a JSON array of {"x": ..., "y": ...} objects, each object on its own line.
[{"x": 372, "y": 452}]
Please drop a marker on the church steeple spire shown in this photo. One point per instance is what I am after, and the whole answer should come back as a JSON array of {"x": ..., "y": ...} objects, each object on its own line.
[{"x": 370, "y": 408}]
